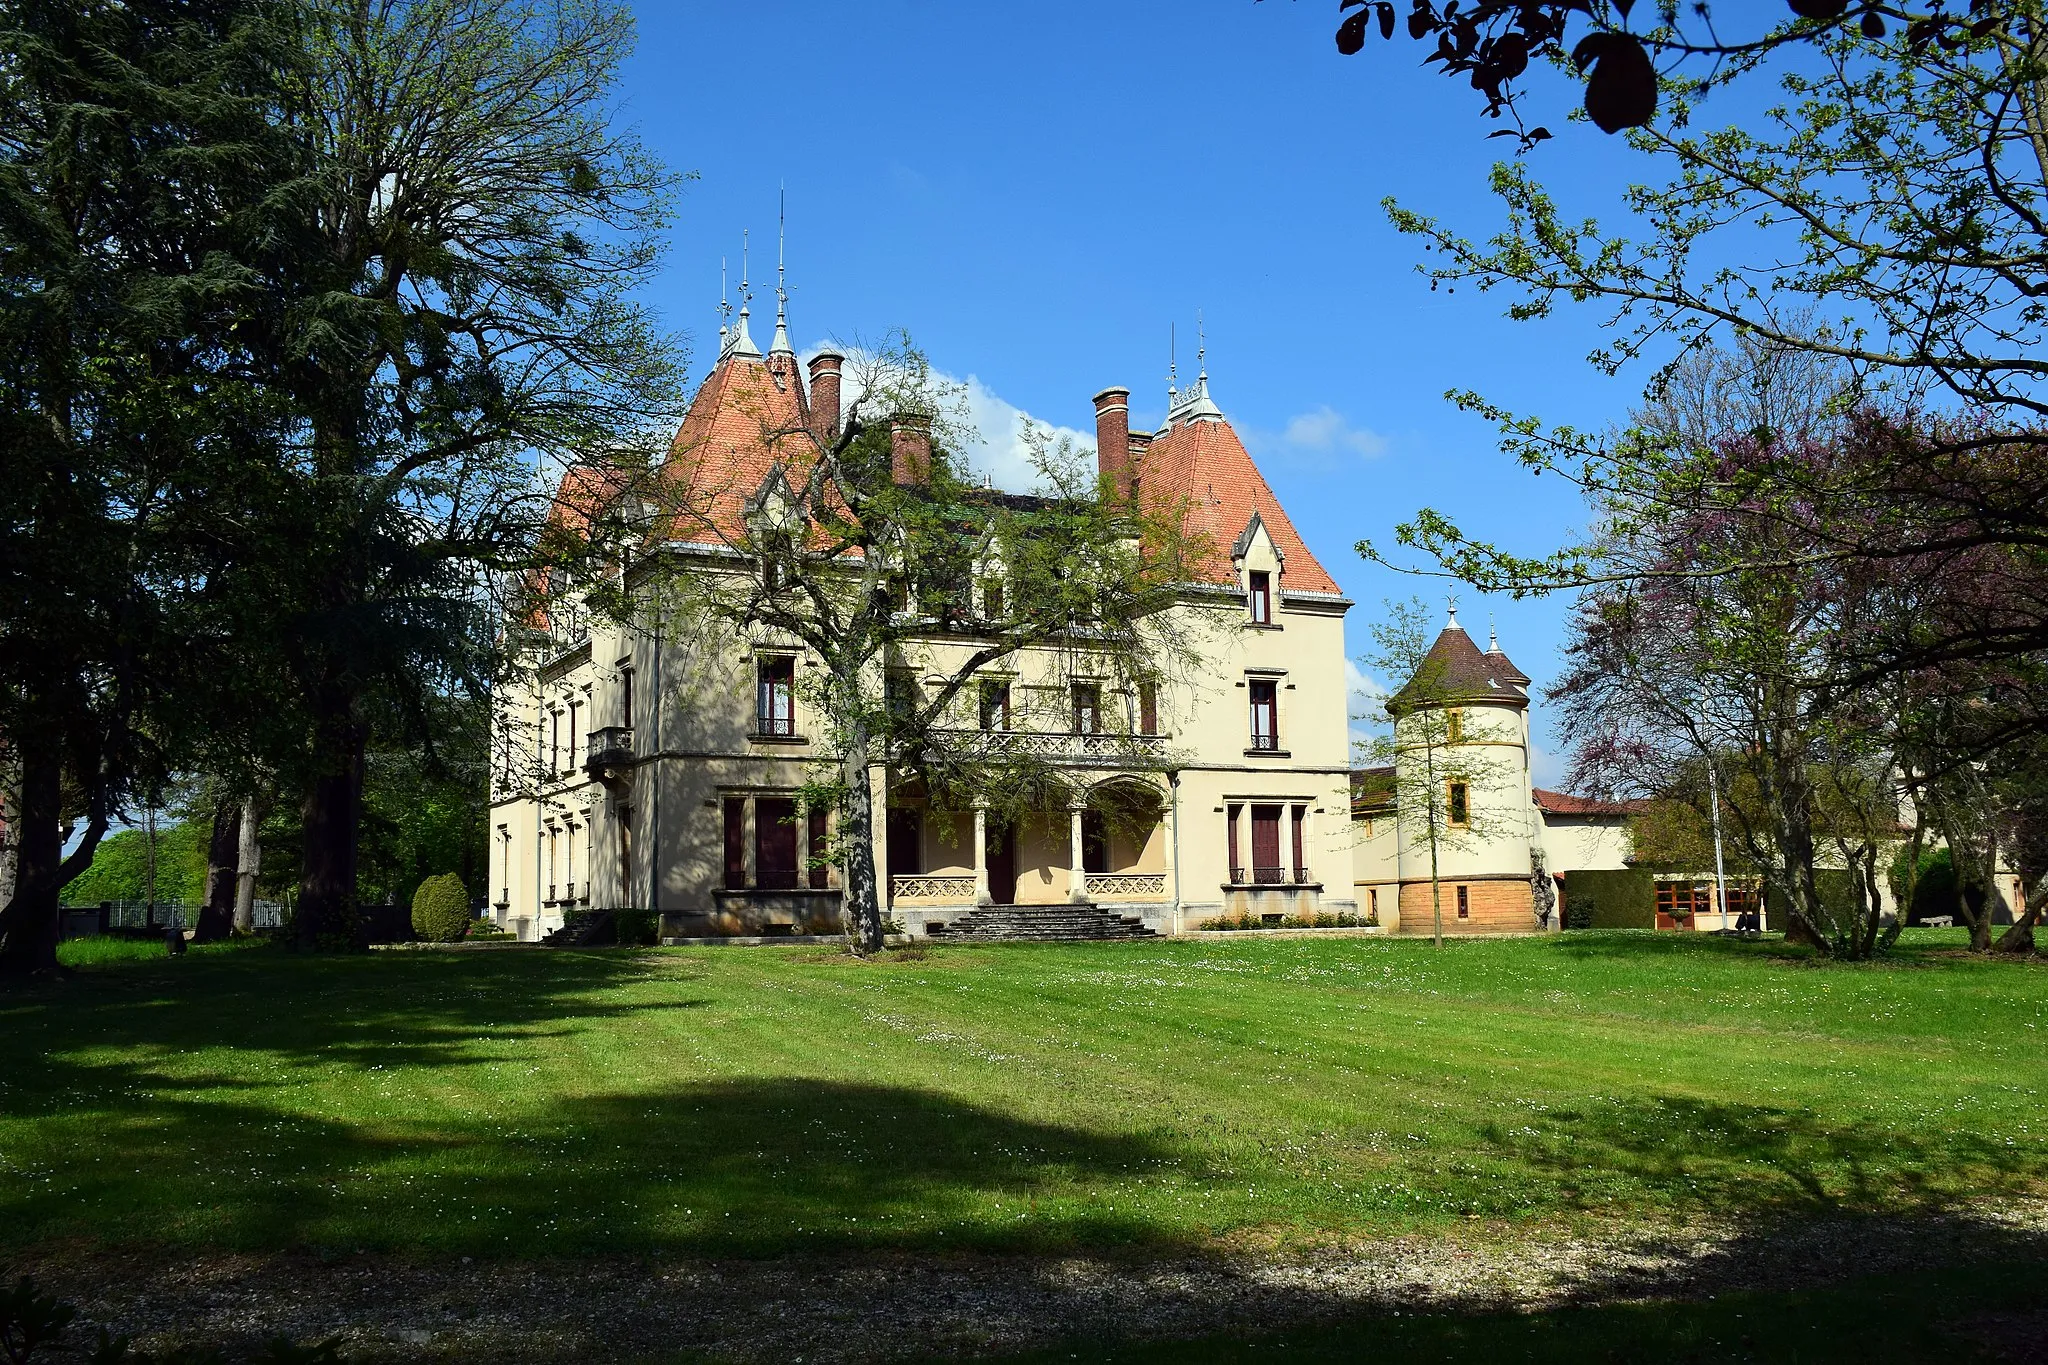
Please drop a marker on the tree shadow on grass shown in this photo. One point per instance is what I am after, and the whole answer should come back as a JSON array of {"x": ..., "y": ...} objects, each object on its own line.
[
  {"x": 1691, "y": 1154},
  {"x": 739, "y": 1167}
]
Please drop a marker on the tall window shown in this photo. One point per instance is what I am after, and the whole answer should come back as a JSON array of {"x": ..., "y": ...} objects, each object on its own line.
[
  {"x": 1265, "y": 714},
  {"x": 504, "y": 866},
  {"x": 1087, "y": 709},
  {"x": 554, "y": 835},
  {"x": 572, "y": 735},
  {"x": 775, "y": 842},
  {"x": 555, "y": 741},
  {"x": 735, "y": 843},
  {"x": 1454, "y": 726},
  {"x": 1300, "y": 819},
  {"x": 775, "y": 697},
  {"x": 569, "y": 866},
  {"x": 899, "y": 693},
  {"x": 992, "y": 598},
  {"x": 1464, "y": 902},
  {"x": 1148, "y": 708},
  {"x": 1266, "y": 865},
  {"x": 1458, "y": 803},
  {"x": 1237, "y": 869},
  {"x": 995, "y": 706},
  {"x": 625, "y": 823},
  {"x": 1259, "y": 596},
  {"x": 626, "y": 697}
]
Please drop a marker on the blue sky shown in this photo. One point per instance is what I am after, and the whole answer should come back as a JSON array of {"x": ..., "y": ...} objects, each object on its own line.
[{"x": 1038, "y": 192}]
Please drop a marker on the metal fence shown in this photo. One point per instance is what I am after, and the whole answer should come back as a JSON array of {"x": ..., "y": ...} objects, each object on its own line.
[{"x": 84, "y": 920}]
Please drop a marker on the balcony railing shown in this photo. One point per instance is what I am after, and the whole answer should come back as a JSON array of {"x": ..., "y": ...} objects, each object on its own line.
[
  {"x": 1267, "y": 876},
  {"x": 609, "y": 747},
  {"x": 1104, "y": 748},
  {"x": 1127, "y": 886},
  {"x": 934, "y": 890}
]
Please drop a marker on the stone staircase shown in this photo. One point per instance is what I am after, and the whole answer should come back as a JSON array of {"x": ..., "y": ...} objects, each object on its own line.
[
  {"x": 1040, "y": 924},
  {"x": 583, "y": 928}
]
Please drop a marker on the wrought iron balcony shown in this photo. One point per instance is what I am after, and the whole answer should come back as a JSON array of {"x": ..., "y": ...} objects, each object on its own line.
[{"x": 1093, "y": 750}]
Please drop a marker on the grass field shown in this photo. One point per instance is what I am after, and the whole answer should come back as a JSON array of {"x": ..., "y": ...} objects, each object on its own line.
[{"x": 1274, "y": 1093}]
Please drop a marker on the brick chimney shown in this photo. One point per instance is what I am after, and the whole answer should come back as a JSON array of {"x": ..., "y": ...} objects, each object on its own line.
[
  {"x": 1141, "y": 441},
  {"x": 910, "y": 448},
  {"x": 825, "y": 394},
  {"x": 1113, "y": 438}
]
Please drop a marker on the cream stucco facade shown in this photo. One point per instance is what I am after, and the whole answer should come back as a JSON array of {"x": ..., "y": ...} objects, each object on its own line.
[{"x": 663, "y": 769}]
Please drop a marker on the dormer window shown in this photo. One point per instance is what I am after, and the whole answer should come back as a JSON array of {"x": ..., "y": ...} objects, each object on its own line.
[{"x": 1259, "y": 597}]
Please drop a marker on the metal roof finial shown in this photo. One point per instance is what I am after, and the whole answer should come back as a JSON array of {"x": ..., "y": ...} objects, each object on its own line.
[
  {"x": 743, "y": 343},
  {"x": 1172, "y": 362},
  {"x": 1451, "y": 602},
  {"x": 781, "y": 343},
  {"x": 1492, "y": 636},
  {"x": 1201, "y": 348},
  {"x": 724, "y": 307}
]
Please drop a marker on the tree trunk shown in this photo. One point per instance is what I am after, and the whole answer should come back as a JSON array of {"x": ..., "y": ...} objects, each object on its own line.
[
  {"x": 30, "y": 921},
  {"x": 860, "y": 906},
  {"x": 10, "y": 820},
  {"x": 334, "y": 803},
  {"x": 2020, "y": 937},
  {"x": 248, "y": 859},
  {"x": 217, "y": 911}
]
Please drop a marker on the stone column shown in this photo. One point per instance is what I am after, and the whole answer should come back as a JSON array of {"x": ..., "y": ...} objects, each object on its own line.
[
  {"x": 981, "y": 894},
  {"x": 1170, "y": 814},
  {"x": 1287, "y": 840},
  {"x": 1077, "y": 880}
]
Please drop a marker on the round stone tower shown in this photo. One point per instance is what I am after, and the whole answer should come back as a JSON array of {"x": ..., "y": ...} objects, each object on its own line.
[{"x": 1461, "y": 789}]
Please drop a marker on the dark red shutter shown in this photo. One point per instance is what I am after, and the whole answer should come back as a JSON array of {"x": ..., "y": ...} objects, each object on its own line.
[
  {"x": 1230, "y": 832},
  {"x": 735, "y": 843},
  {"x": 1148, "y": 709},
  {"x": 774, "y": 842},
  {"x": 1300, "y": 814},
  {"x": 820, "y": 839},
  {"x": 1266, "y": 843}
]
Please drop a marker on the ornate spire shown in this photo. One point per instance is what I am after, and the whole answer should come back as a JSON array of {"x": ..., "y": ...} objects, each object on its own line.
[
  {"x": 1451, "y": 608},
  {"x": 742, "y": 342},
  {"x": 780, "y": 345},
  {"x": 724, "y": 312},
  {"x": 1172, "y": 365},
  {"x": 1194, "y": 404},
  {"x": 1492, "y": 635}
]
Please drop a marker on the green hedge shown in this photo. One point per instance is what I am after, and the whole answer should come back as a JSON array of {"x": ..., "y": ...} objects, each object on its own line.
[
  {"x": 1622, "y": 898},
  {"x": 440, "y": 909}
]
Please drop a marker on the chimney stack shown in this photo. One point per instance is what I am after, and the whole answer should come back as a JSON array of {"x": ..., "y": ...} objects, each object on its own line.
[
  {"x": 910, "y": 448},
  {"x": 825, "y": 394},
  {"x": 1113, "y": 439}
]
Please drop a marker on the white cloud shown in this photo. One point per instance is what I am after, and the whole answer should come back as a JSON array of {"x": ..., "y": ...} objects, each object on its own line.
[
  {"x": 1002, "y": 452},
  {"x": 1326, "y": 430},
  {"x": 1365, "y": 700},
  {"x": 996, "y": 444},
  {"x": 1321, "y": 437}
]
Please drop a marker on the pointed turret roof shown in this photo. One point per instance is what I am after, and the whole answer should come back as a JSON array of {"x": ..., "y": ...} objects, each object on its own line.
[
  {"x": 1454, "y": 670},
  {"x": 1199, "y": 461}
]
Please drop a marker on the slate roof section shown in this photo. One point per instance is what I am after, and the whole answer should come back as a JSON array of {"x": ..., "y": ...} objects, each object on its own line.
[
  {"x": 1204, "y": 464},
  {"x": 1456, "y": 670}
]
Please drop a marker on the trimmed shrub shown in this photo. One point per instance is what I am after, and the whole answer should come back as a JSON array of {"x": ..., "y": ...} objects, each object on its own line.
[
  {"x": 637, "y": 927},
  {"x": 1620, "y": 898},
  {"x": 440, "y": 909}
]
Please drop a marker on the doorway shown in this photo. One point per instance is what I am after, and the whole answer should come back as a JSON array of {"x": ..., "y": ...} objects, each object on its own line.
[{"x": 1002, "y": 864}]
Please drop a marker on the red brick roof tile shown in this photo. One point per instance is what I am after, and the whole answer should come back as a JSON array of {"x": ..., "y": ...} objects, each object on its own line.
[{"x": 1205, "y": 464}]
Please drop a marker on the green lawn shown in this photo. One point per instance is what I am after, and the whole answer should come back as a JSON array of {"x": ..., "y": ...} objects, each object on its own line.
[{"x": 1272, "y": 1093}]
